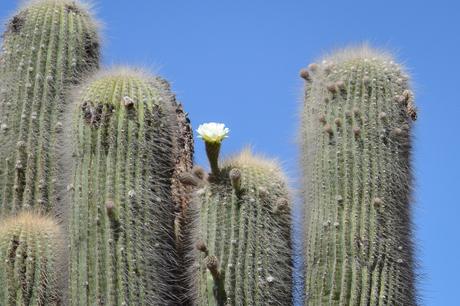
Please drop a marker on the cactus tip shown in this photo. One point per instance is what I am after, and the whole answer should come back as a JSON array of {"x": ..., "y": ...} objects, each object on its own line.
[
  {"x": 201, "y": 246},
  {"x": 21, "y": 144},
  {"x": 188, "y": 179},
  {"x": 263, "y": 192},
  {"x": 397, "y": 131},
  {"x": 339, "y": 199},
  {"x": 235, "y": 179},
  {"x": 199, "y": 173},
  {"x": 338, "y": 122},
  {"x": 16, "y": 23},
  {"x": 332, "y": 88},
  {"x": 401, "y": 99},
  {"x": 357, "y": 131},
  {"x": 411, "y": 111},
  {"x": 110, "y": 206},
  {"x": 377, "y": 202},
  {"x": 322, "y": 119},
  {"x": 340, "y": 85},
  {"x": 313, "y": 67},
  {"x": 328, "y": 129},
  {"x": 128, "y": 102},
  {"x": 281, "y": 205},
  {"x": 212, "y": 264},
  {"x": 304, "y": 74}
]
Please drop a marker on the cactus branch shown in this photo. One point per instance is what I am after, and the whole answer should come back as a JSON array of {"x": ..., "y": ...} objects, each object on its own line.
[
  {"x": 212, "y": 264},
  {"x": 249, "y": 232},
  {"x": 358, "y": 179},
  {"x": 47, "y": 48}
]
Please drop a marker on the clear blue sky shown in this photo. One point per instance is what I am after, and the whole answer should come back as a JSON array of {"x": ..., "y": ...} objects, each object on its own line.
[{"x": 237, "y": 62}]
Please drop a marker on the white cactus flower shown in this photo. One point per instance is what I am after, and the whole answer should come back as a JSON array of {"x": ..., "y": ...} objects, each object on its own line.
[{"x": 213, "y": 132}]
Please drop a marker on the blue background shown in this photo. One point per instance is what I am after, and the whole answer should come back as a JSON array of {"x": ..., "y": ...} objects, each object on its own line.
[{"x": 237, "y": 62}]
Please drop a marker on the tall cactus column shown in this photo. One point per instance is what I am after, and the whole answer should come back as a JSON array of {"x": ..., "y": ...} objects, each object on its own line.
[
  {"x": 357, "y": 120},
  {"x": 243, "y": 243},
  {"x": 48, "y": 45},
  {"x": 132, "y": 141},
  {"x": 31, "y": 251}
]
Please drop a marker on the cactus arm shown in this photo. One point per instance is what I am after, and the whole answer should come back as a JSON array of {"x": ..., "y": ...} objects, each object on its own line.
[
  {"x": 48, "y": 45},
  {"x": 242, "y": 231},
  {"x": 356, "y": 131},
  {"x": 125, "y": 214},
  {"x": 31, "y": 255}
]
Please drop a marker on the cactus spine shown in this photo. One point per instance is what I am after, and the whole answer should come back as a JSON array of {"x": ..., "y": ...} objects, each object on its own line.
[
  {"x": 47, "y": 47},
  {"x": 356, "y": 131},
  {"x": 30, "y": 250},
  {"x": 132, "y": 141},
  {"x": 243, "y": 234}
]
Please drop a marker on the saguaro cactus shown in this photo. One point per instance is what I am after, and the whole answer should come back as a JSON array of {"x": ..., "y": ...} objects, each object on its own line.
[
  {"x": 243, "y": 248},
  {"x": 357, "y": 119},
  {"x": 30, "y": 251},
  {"x": 132, "y": 142},
  {"x": 47, "y": 47}
]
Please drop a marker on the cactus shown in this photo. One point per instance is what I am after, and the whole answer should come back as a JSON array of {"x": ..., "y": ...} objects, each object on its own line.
[
  {"x": 30, "y": 253},
  {"x": 357, "y": 119},
  {"x": 132, "y": 141},
  {"x": 243, "y": 248},
  {"x": 48, "y": 45}
]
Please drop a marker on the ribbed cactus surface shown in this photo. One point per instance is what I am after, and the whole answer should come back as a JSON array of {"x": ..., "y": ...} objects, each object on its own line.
[
  {"x": 357, "y": 119},
  {"x": 30, "y": 251},
  {"x": 132, "y": 140},
  {"x": 243, "y": 234},
  {"x": 47, "y": 46}
]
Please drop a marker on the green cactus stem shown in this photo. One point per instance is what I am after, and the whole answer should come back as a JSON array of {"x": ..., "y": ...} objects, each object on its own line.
[
  {"x": 47, "y": 47},
  {"x": 212, "y": 151},
  {"x": 30, "y": 253},
  {"x": 357, "y": 119},
  {"x": 243, "y": 246},
  {"x": 132, "y": 142}
]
